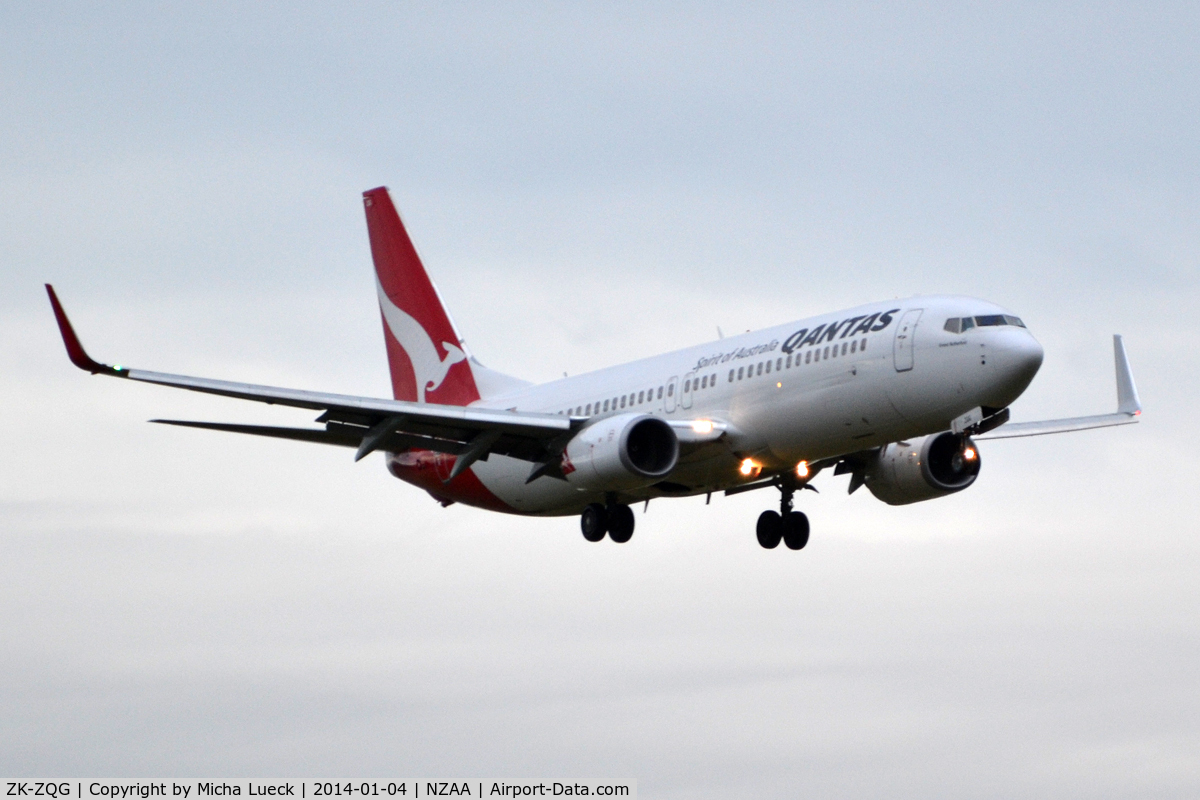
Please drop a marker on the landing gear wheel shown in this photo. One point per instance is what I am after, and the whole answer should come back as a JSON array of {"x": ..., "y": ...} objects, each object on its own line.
[
  {"x": 594, "y": 522},
  {"x": 795, "y": 530},
  {"x": 620, "y": 523},
  {"x": 770, "y": 529}
]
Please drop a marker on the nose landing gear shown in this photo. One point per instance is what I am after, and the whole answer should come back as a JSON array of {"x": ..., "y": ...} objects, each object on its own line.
[{"x": 786, "y": 525}]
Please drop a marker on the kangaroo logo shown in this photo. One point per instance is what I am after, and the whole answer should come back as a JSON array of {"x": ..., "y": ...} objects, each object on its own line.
[{"x": 428, "y": 367}]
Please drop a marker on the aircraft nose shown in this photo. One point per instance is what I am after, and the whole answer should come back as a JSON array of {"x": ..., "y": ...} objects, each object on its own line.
[{"x": 1018, "y": 360}]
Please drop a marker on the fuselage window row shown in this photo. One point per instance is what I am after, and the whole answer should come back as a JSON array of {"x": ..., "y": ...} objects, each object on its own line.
[{"x": 762, "y": 367}]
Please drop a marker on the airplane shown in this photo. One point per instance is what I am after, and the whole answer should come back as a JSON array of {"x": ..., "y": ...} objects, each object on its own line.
[{"x": 895, "y": 394}]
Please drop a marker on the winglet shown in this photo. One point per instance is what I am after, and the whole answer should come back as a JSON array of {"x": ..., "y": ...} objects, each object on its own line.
[
  {"x": 75, "y": 351},
  {"x": 1127, "y": 396}
]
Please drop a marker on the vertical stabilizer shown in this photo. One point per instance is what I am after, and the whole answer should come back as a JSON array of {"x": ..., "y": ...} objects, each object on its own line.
[{"x": 424, "y": 351}]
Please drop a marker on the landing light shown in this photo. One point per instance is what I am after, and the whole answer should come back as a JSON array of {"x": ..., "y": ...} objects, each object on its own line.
[
  {"x": 802, "y": 469},
  {"x": 748, "y": 467},
  {"x": 702, "y": 426},
  {"x": 969, "y": 454}
]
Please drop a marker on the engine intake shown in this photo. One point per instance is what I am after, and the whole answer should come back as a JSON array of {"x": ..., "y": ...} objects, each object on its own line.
[
  {"x": 621, "y": 452},
  {"x": 925, "y": 468}
]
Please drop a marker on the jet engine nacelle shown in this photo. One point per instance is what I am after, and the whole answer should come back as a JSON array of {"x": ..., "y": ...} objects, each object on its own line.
[
  {"x": 621, "y": 452},
  {"x": 925, "y": 468}
]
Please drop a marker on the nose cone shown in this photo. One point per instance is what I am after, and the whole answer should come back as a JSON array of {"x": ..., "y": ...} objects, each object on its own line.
[{"x": 1016, "y": 359}]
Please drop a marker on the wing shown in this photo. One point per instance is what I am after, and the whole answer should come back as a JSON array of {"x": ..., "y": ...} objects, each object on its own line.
[
  {"x": 1129, "y": 408},
  {"x": 366, "y": 423}
]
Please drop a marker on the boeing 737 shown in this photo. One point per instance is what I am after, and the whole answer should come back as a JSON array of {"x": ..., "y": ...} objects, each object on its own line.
[{"x": 895, "y": 394}]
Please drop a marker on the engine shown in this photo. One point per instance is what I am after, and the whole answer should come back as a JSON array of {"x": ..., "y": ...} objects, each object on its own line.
[
  {"x": 925, "y": 468},
  {"x": 621, "y": 452}
]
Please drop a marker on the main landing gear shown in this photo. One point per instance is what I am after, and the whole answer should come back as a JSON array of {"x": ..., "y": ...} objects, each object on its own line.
[
  {"x": 615, "y": 519},
  {"x": 787, "y": 525}
]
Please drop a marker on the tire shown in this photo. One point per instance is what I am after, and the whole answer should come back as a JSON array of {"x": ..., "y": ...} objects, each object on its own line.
[
  {"x": 770, "y": 529},
  {"x": 795, "y": 530},
  {"x": 620, "y": 524},
  {"x": 594, "y": 522}
]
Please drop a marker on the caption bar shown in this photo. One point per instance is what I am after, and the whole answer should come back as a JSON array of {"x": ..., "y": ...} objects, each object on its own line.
[{"x": 322, "y": 789}]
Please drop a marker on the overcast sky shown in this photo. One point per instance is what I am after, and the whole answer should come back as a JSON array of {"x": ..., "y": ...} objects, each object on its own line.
[{"x": 590, "y": 184}]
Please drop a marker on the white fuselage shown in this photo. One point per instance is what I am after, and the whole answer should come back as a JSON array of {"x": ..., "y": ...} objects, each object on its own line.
[{"x": 791, "y": 393}]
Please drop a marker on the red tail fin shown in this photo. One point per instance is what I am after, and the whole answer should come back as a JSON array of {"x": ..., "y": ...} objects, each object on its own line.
[{"x": 424, "y": 351}]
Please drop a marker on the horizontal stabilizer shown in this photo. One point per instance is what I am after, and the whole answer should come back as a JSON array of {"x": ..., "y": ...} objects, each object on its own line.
[{"x": 1129, "y": 408}]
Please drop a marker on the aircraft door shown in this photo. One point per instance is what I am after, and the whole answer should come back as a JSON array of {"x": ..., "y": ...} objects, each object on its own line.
[
  {"x": 669, "y": 400},
  {"x": 685, "y": 398},
  {"x": 902, "y": 345}
]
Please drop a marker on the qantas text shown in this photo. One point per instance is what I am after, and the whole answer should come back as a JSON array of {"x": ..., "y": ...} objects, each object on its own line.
[{"x": 805, "y": 337}]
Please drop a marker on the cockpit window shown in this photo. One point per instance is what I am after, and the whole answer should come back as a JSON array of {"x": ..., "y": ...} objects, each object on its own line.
[
  {"x": 994, "y": 320},
  {"x": 964, "y": 324}
]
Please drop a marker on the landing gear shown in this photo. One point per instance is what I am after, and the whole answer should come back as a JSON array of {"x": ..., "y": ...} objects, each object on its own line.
[
  {"x": 787, "y": 525},
  {"x": 795, "y": 530},
  {"x": 620, "y": 523},
  {"x": 594, "y": 522},
  {"x": 615, "y": 519},
  {"x": 770, "y": 529}
]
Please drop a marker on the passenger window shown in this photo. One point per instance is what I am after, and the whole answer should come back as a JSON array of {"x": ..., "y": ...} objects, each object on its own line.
[
  {"x": 826, "y": 353},
  {"x": 808, "y": 357},
  {"x": 778, "y": 364},
  {"x": 740, "y": 372},
  {"x": 768, "y": 367},
  {"x": 731, "y": 373},
  {"x": 606, "y": 405},
  {"x": 854, "y": 346},
  {"x": 641, "y": 397},
  {"x": 622, "y": 401},
  {"x": 687, "y": 386},
  {"x": 788, "y": 364},
  {"x": 862, "y": 345},
  {"x": 660, "y": 393},
  {"x": 670, "y": 390},
  {"x": 588, "y": 409},
  {"x": 953, "y": 325},
  {"x": 758, "y": 371},
  {"x": 844, "y": 346}
]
